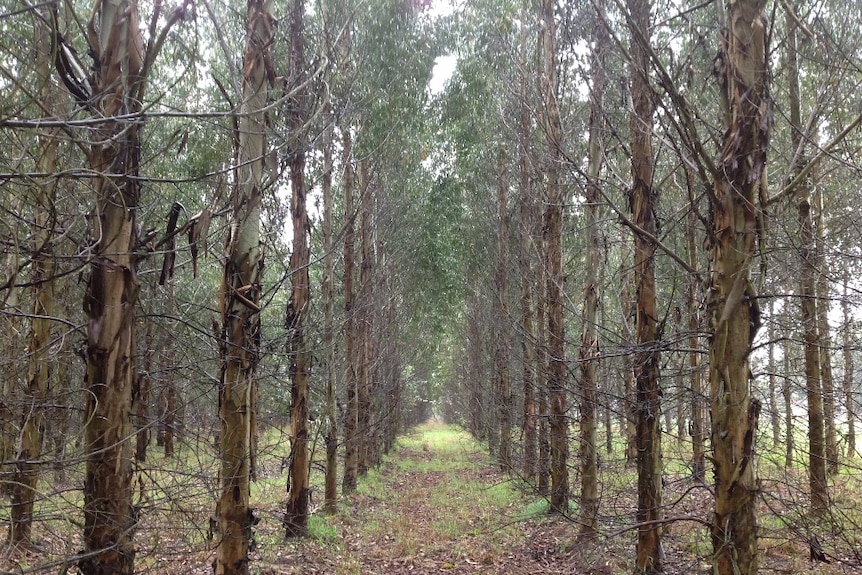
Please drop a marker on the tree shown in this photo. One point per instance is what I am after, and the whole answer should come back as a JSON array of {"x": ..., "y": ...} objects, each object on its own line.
[
  {"x": 296, "y": 516},
  {"x": 848, "y": 382},
  {"x": 553, "y": 225},
  {"x": 330, "y": 497},
  {"x": 40, "y": 364},
  {"x": 502, "y": 345},
  {"x": 807, "y": 288},
  {"x": 735, "y": 204},
  {"x": 240, "y": 303},
  {"x": 589, "y": 353},
  {"x": 642, "y": 200},
  {"x": 112, "y": 289}
]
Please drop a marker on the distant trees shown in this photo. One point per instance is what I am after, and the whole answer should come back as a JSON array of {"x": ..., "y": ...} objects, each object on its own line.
[{"x": 523, "y": 251}]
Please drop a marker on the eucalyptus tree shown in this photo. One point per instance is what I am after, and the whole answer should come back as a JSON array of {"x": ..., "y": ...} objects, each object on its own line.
[
  {"x": 808, "y": 284},
  {"x": 40, "y": 363},
  {"x": 589, "y": 352},
  {"x": 121, "y": 68},
  {"x": 740, "y": 179},
  {"x": 553, "y": 227},
  {"x": 240, "y": 293},
  {"x": 642, "y": 199},
  {"x": 296, "y": 515}
]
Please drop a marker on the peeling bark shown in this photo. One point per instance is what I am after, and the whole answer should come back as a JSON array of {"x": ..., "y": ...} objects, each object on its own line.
[
  {"x": 240, "y": 301},
  {"x": 739, "y": 187},
  {"x": 296, "y": 514}
]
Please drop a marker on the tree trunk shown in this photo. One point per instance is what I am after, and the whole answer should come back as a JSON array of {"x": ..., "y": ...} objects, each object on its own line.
[
  {"x": 112, "y": 290},
  {"x": 814, "y": 392},
  {"x": 693, "y": 294},
  {"x": 169, "y": 375},
  {"x": 502, "y": 342},
  {"x": 773, "y": 400},
  {"x": 330, "y": 496},
  {"x": 558, "y": 415},
  {"x": 143, "y": 387},
  {"x": 824, "y": 333},
  {"x": 642, "y": 200},
  {"x": 296, "y": 513},
  {"x": 542, "y": 366},
  {"x": 740, "y": 182},
  {"x": 351, "y": 410},
  {"x": 787, "y": 394},
  {"x": 848, "y": 383},
  {"x": 589, "y": 352},
  {"x": 808, "y": 291},
  {"x": 364, "y": 318},
  {"x": 240, "y": 305},
  {"x": 629, "y": 316},
  {"x": 40, "y": 363}
]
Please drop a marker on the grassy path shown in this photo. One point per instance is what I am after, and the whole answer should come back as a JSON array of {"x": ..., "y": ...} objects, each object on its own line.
[{"x": 435, "y": 506}]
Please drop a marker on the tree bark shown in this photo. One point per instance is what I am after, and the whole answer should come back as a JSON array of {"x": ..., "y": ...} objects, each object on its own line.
[
  {"x": 813, "y": 389},
  {"x": 296, "y": 513},
  {"x": 848, "y": 382},
  {"x": 589, "y": 352},
  {"x": 502, "y": 343},
  {"x": 786, "y": 393},
  {"x": 808, "y": 291},
  {"x": 774, "y": 418},
  {"x": 825, "y": 337},
  {"x": 740, "y": 182},
  {"x": 351, "y": 410},
  {"x": 112, "y": 290},
  {"x": 330, "y": 497},
  {"x": 40, "y": 362},
  {"x": 240, "y": 305},
  {"x": 642, "y": 198},
  {"x": 526, "y": 278},
  {"x": 367, "y": 426},
  {"x": 558, "y": 415}
]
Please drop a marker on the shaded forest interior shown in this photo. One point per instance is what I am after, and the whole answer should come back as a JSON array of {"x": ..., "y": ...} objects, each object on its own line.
[{"x": 250, "y": 250}]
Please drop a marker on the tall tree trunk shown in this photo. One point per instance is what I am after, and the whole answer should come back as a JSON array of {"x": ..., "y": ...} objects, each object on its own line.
[
  {"x": 825, "y": 337},
  {"x": 807, "y": 290},
  {"x": 558, "y": 415},
  {"x": 848, "y": 382},
  {"x": 542, "y": 366},
  {"x": 330, "y": 497},
  {"x": 240, "y": 305},
  {"x": 296, "y": 513},
  {"x": 642, "y": 199},
  {"x": 787, "y": 394},
  {"x": 627, "y": 305},
  {"x": 774, "y": 419},
  {"x": 589, "y": 352},
  {"x": 693, "y": 294},
  {"x": 143, "y": 387},
  {"x": 502, "y": 342},
  {"x": 814, "y": 392},
  {"x": 526, "y": 280},
  {"x": 740, "y": 182},
  {"x": 112, "y": 290},
  {"x": 40, "y": 363},
  {"x": 169, "y": 359},
  {"x": 365, "y": 317},
  {"x": 351, "y": 409}
]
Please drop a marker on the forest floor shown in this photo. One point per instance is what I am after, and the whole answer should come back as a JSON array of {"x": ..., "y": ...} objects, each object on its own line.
[{"x": 438, "y": 505}]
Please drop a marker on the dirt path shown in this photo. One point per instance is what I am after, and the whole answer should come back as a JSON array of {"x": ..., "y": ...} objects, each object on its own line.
[{"x": 438, "y": 507}]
